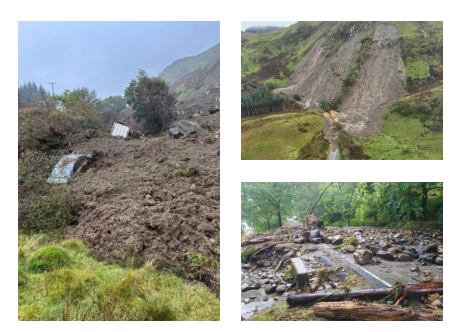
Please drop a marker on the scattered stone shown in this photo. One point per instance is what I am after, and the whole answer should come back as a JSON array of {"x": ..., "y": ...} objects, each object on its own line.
[
  {"x": 281, "y": 289},
  {"x": 263, "y": 263},
  {"x": 392, "y": 251},
  {"x": 385, "y": 255},
  {"x": 433, "y": 297},
  {"x": 269, "y": 289},
  {"x": 374, "y": 249},
  {"x": 314, "y": 234},
  {"x": 414, "y": 268},
  {"x": 316, "y": 240},
  {"x": 349, "y": 248},
  {"x": 436, "y": 303},
  {"x": 404, "y": 258},
  {"x": 246, "y": 287},
  {"x": 337, "y": 240},
  {"x": 426, "y": 278},
  {"x": 438, "y": 261},
  {"x": 247, "y": 300},
  {"x": 313, "y": 248},
  {"x": 430, "y": 258},
  {"x": 363, "y": 257},
  {"x": 265, "y": 281},
  {"x": 247, "y": 266}
]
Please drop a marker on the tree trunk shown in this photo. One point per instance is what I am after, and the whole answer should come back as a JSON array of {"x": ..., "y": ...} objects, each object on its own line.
[
  {"x": 424, "y": 200},
  {"x": 372, "y": 294},
  {"x": 279, "y": 217},
  {"x": 371, "y": 312}
]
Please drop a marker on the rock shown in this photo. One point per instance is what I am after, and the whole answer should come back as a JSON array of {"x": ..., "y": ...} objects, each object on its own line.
[
  {"x": 426, "y": 278},
  {"x": 438, "y": 260},
  {"x": 383, "y": 245},
  {"x": 405, "y": 303},
  {"x": 433, "y": 247},
  {"x": 433, "y": 297},
  {"x": 392, "y": 251},
  {"x": 314, "y": 234},
  {"x": 349, "y": 248},
  {"x": 404, "y": 258},
  {"x": 414, "y": 268},
  {"x": 265, "y": 281},
  {"x": 385, "y": 255},
  {"x": 430, "y": 258},
  {"x": 247, "y": 266},
  {"x": 313, "y": 248},
  {"x": 246, "y": 287},
  {"x": 313, "y": 221},
  {"x": 263, "y": 263},
  {"x": 280, "y": 289},
  {"x": 363, "y": 257},
  {"x": 337, "y": 240},
  {"x": 374, "y": 249},
  {"x": 436, "y": 303},
  {"x": 188, "y": 128},
  {"x": 247, "y": 300},
  {"x": 257, "y": 285},
  {"x": 316, "y": 240},
  {"x": 298, "y": 240},
  {"x": 214, "y": 109},
  {"x": 269, "y": 289},
  {"x": 420, "y": 249},
  {"x": 390, "y": 302}
]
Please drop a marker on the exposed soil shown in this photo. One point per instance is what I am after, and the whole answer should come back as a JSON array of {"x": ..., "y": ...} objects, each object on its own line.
[
  {"x": 319, "y": 76},
  {"x": 132, "y": 204},
  {"x": 380, "y": 80}
]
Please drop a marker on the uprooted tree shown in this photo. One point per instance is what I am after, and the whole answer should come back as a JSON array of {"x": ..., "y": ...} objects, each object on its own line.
[{"x": 151, "y": 101}]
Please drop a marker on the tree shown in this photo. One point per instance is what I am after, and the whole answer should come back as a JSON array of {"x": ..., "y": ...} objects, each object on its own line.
[
  {"x": 112, "y": 103},
  {"x": 151, "y": 101},
  {"x": 263, "y": 200}
]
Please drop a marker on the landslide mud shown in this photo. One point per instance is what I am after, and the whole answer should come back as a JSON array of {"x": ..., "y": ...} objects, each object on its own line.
[{"x": 131, "y": 205}]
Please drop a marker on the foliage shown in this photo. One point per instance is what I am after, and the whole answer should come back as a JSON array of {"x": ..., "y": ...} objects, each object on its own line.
[
  {"x": 151, "y": 101},
  {"x": 50, "y": 212},
  {"x": 324, "y": 105},
  {"x": 262, "y": 100},
  {"x": 30, "y": 95},
  {"x": 248, "y": 252},
  {"x": 115, "y": 104},
  {"x": 48, "y": 259},
  {"x": 89, "y": 289}
]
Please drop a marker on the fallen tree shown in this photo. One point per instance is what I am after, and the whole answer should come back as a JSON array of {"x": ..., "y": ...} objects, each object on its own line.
[
  {"x": 349, "y": 310},
  {"x": 257, "y": 240},
  {"x": 373, "y": 294}
]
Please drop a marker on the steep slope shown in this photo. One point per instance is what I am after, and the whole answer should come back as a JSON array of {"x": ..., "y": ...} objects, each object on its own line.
[{"x": 182, "y": 67}]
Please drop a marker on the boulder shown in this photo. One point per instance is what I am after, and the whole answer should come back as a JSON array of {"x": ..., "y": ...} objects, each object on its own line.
[
  {"x": 281, "y": 289},
  {"x": 349, "y": 248},
  {"x": 313, "y": 221},
  {"x": 247, "y": 287},
  {"x": 188, "y": 128},
  {"x": 404, "y": 258},
  {"x": 316, "y": 240},
  {"x": 385, "y": 255},
  {"x": 337, "y": 240},
  {"x": 269, "y": 289},
  {"x": 392, "y": 251},
  {"x": 374, "y": 249},
  {"x": 430, "y": 258},
  {"x": 263, "y": 263},
  {"x": 363, "y": 256},
  {"x": 214, "y": 109},
  {"x": 314, "y": 234},
  {"x": 438, "y": 261}
]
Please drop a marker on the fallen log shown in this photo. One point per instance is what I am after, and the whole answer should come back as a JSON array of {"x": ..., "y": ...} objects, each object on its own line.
[
  {"x": 373, "y": 294},
  {"x": 371, "y": 312},
  {"x": 257, "y": 240}
]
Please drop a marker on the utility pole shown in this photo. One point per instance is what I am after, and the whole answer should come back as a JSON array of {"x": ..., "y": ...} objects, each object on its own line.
[{"x": 52, "y": 88}]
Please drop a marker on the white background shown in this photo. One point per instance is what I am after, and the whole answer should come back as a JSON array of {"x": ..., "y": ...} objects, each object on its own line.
[{"x": 233, "y": 171}]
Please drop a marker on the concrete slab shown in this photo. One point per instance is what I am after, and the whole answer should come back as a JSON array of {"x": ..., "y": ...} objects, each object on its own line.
[{"x": 300, "y": 273}]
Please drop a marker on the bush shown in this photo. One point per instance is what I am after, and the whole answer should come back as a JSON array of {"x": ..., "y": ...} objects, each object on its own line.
[
  {"x": 48, "y": 259},
  {"x": 324, "y": 104},
  {"x": 296, "y": 96},
  {"x": 46, "y": 213},
  {"x": 248, "y": 252}
]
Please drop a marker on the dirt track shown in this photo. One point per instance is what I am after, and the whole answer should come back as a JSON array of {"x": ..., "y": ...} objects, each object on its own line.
[{"x": 131, "y": 204}]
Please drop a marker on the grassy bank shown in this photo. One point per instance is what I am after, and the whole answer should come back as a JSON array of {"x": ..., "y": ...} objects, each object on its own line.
[
  {"x": 296, "y": 135},
  {"x": 59, "y": 280}
]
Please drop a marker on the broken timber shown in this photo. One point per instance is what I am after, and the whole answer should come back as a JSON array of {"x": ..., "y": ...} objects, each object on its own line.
[
  {"x": 373, "y": 294},
  {"x": 371, "y": 312},
  {"x": 258, "y": 240}
]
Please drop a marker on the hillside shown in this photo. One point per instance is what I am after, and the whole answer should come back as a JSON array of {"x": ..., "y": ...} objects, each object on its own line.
[
  {"x": 178, "y": 69},
  {"x": 356, "y": 68}
]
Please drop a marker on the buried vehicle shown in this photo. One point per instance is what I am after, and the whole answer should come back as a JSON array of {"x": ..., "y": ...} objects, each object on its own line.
[{"x": 69, "y": 165}]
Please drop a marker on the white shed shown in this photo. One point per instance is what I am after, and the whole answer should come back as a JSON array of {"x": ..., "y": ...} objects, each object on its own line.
[{"x": 120, "y": 129}]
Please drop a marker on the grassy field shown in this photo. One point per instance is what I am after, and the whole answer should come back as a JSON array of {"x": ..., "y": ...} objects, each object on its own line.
[
  {"x": 59, "y": 280},
  {"x": 406, "y": 137},
  {"x": 296, "y": 135}
]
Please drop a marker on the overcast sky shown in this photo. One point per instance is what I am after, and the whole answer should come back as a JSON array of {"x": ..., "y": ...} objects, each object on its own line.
[
  {"x": 249, "y": 24},
  {"x": 105, "y": 56}
]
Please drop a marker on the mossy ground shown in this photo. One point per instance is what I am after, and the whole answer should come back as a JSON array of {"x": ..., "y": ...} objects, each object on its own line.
[
  {"x": 88, "y": 289},
  {"x": 288, "y": 136}
]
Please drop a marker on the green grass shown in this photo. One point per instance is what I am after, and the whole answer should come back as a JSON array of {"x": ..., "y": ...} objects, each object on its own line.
[
  {"x": 88, "y": 289},
  {"x": 406, "y": 137},
  {"x": 284, "y": 136},
  {"x": 283, "y": 312},
  {"x": 418, "y": 69}
]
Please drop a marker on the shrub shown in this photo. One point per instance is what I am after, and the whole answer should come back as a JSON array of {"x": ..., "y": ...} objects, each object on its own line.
[
  {"x": 44, "y": 213},
  {"x": 248, "y": 252},
  {"x": 324, "y": 104},
  {"x": 48, "y": 259},
  {"x": 296, "y": 96}
]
